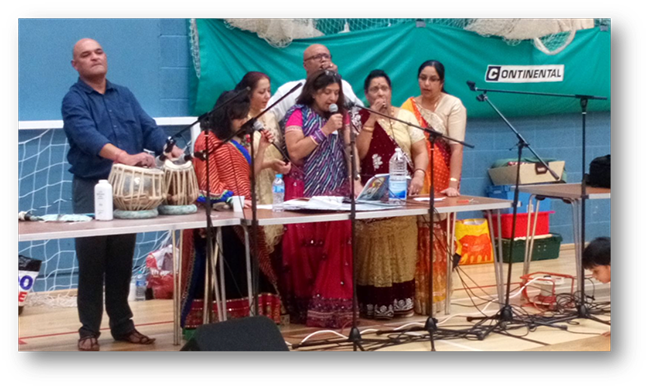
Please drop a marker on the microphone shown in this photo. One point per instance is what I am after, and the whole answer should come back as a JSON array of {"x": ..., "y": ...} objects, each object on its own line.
[
  {"x": 27, "y": 216},
  {"x": 348, "y": 104},
  {"x": 168, "y": 147},
  {"x": 257, "y": 126},
  {"x": 471, "y": 85},
  {"x": 333, "y": 108}
]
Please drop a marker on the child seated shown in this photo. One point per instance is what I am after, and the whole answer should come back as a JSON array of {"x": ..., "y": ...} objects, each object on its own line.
[{"x": 596, "y": 258}]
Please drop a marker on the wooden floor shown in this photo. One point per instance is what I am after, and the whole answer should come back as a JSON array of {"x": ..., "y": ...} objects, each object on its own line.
[{"x": 55, "y": 329}]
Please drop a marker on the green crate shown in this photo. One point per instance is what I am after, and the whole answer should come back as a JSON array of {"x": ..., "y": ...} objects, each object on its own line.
[{"x": 543, "y": 248}]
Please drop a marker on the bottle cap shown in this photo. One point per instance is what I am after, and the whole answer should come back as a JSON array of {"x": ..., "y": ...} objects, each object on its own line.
[
  {"x": 279, "y": 175},
  {"x": 103, "y": 180}
]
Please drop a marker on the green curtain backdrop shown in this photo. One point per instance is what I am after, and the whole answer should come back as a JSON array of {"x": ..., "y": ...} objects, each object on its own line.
[{"x": 227, "y": 54}]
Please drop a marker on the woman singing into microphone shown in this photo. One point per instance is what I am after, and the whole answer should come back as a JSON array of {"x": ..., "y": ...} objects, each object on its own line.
[{"x": 317, "y": 261}]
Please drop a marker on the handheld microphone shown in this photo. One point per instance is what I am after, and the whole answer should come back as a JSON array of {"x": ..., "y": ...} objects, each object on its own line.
[
  {"x": 333, "y": 108},
  {"x": 257, "y": 126}
]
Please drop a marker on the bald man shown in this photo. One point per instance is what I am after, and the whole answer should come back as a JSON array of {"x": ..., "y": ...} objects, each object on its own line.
[
  {"x": 104, "y": 124},
  {"x": 316, "y": 57}
]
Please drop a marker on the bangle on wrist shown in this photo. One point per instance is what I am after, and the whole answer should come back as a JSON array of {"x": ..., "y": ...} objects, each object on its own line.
[
  {"x": 419, "y": 169},
  {"x": 318, "y": 136},
  {"x": 367, "y": 129},
  {"x": 454, "y": 180}
]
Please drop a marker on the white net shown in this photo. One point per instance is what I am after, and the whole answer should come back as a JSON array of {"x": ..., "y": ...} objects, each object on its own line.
[
  {"x": 549, "y": 35},
  {"x": 45, "y": 187},
  {"x": 195, "y": 46}
]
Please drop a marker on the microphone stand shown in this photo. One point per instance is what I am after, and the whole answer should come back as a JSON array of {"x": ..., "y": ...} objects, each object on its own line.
[
  {"x": 506, "y": 314},
  {"x": 581, "y": 308},
  {"x": 431, "y": 323}
]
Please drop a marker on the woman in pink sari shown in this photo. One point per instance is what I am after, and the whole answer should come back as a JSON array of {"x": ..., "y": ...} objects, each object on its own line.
[
  {"x": 317, "y": 261},
  {"x": 445, "y": 113}
]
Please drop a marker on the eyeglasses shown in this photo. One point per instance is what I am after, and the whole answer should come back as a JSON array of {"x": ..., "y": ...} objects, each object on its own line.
[
  {"x": 320, "y": 57},
  {"x": 431, "y": 79}
]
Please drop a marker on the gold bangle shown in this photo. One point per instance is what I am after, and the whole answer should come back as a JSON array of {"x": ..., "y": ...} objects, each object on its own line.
[
  {"x": 367, "y": 129},
  {"x": 454, "y": 180}
]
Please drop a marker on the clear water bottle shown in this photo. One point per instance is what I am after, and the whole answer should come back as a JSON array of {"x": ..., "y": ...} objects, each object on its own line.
[
  {"x": 278, "y": 191},
  {"x": 140, "y": 286},
  {"x": 398, "y": 177}
]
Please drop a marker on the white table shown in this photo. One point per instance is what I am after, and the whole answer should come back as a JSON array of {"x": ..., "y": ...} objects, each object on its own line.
[
  {"x": 30, "y": 231},
  {"x": 567, "y": 192},
  {"x": 449, "y": 205}
]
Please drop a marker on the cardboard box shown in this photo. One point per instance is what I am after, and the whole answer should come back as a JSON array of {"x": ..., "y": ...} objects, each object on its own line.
[{"x": 530, "y": 173}]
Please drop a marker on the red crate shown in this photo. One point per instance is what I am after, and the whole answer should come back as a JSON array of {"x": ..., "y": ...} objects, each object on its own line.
[{"x": 521, "y": 225}]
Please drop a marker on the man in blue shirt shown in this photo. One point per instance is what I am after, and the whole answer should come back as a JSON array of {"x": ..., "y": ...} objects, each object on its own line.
[{"x": 104, "y": 123}]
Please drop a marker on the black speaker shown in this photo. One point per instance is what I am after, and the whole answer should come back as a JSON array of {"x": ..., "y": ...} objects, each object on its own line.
[{"x": 244, "y": 334}]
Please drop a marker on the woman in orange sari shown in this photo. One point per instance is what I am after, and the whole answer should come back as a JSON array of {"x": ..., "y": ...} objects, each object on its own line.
[{"x": 436, "y": 109}]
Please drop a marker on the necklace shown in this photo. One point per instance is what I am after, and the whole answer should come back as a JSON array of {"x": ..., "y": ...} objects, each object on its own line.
[
  {"x": 434, "y": 105},
  {"x": 391, "y": 125}
]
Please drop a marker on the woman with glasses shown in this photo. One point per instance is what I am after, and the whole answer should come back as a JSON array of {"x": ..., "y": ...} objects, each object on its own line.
[
  {"x": 317, "y": 261},
  {"x": 386, "y": 260},
  {"x": 437, "y": 109}
]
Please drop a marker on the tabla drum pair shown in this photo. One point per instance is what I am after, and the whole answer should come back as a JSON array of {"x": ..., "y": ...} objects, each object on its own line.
[{"x": 138, "y": 191}]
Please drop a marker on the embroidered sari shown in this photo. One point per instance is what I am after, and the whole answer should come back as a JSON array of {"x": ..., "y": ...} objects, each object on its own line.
[
  {"x": 266, "y": 177},
  {"x": 229, "y": 171},
  {"x": 316, "y": 278},
  {"x": 440, "y": 176},
  {"x": 386, "y": 259}
]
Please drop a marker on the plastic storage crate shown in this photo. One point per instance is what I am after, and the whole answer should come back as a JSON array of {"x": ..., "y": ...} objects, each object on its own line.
[
  {"x": 544, "y": 248},
  {"x": 508, "y": 192},
  {"x": 542, "y": 226}
]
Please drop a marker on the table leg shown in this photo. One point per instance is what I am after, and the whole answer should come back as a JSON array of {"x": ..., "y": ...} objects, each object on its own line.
[
  {"x": 221, "y": 260},
  {"x": 526, "y": 240},
  {"x": 502, "y": 285},
  {"x": 179, "y": 272},
  {"x": 496, "y": 258},
  {"x": 577, "y": 242},
  {"x": 176, "y": 288},
  {"x": 450, "y": 232},
  {"x": 248, "y": 267}
]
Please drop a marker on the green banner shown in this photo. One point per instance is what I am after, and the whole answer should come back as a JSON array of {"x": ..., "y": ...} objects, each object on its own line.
[{"x": 582, "y": 68}]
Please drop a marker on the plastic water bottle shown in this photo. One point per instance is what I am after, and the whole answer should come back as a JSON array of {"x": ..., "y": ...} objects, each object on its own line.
[
  {"x": 140, "y": 286},
  {"x": 103, "y": 201},
  {"x": 278, "y": 191},
  {"x": 398, "y": 177}
]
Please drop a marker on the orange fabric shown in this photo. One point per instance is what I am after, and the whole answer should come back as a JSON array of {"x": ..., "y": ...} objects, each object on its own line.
[
  {"x": 228, "y": 168},
  {"x": 441, "y": 161}
]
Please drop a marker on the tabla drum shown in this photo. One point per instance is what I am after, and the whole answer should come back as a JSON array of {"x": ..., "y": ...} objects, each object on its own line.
[
  {"x": 180, "y": 188},
  {"x": 137, "y": 191}
]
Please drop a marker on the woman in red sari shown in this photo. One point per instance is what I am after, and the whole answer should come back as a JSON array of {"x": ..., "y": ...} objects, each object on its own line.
[
  {"x": 445, "y": 113},
  {"x": 229, "y": 175},
  {"x": 386, "y": 260},
  {"x": 317, "y": 261}
]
